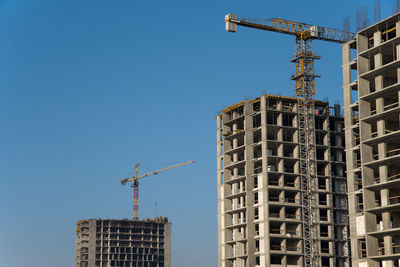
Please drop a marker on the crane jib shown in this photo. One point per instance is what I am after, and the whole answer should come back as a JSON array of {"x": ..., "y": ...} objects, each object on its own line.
[
  {"x": 135, "y": 184},
  {"x": 300, "y": 30}
]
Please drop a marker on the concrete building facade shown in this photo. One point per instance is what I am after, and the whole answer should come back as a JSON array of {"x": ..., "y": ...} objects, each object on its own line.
[
  {"x": 123, "y": 243},
  {"x": 371, "y": 86},
  {"x": 259, "y": 194}
]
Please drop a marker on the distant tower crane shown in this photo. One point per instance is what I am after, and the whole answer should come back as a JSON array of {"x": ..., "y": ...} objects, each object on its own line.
[
  {"x": 305, "y": 90},
  {"x": 135, "y": 184}
]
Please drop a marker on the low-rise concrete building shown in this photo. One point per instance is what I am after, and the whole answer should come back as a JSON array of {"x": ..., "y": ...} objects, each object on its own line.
[{"x": 123, "y": 243}]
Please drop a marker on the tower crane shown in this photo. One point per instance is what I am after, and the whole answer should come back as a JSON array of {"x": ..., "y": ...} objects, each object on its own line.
[
  {"x": 305, "y": 90},
  {"x": 135, "y": 184}
]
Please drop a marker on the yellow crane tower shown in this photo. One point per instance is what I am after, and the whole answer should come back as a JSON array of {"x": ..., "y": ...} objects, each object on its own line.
[
  {"x": 135, "y": 184},
  {"x": 305, "y": 90}
]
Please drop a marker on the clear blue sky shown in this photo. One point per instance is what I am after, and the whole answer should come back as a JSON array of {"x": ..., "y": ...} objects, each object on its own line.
[{"x": 89, "y": 88}]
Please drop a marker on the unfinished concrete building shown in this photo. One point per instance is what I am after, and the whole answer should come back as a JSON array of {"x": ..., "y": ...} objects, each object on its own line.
[
  {"x": 371, "y": 85},
  {"x": 259, "y": 194},
  {"x": 123, "y": 243}
]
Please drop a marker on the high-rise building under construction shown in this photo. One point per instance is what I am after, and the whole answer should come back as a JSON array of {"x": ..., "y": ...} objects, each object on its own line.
[
  {"x": 259, "y": 185},
  {"x": 123, "y": 243},
  {"x": 371, "y": 85}
]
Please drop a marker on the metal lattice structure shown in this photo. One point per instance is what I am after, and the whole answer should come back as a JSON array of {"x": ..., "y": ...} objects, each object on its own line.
[
  {"x": 135, "y": 184},
  {"x": 305, "y": 90}
]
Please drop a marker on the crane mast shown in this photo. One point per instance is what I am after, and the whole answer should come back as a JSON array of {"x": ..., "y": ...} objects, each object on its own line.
[
  {"x": 304, "y": 77},
  {"x": 135, "y": 184}
]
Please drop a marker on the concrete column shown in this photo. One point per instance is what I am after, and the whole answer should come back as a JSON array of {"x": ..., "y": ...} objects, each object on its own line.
[
  {"x": 249, "y": 182},
  {"x": 378, "y": 83},
  {"x": 235, "y": 157},
  {"x": 362, "y": 43},
  {"x": 346, "y": 53},
  {"x": 235, "y": 141},
  {"x": 397, "y": 56},
  {"x": 377, "y": 38},
  {"x": 397, "y": 29},
  {"x": 167, "y": 249},
  {"x": 384, "y": 197},
  {"x": 92, "y": 243}
]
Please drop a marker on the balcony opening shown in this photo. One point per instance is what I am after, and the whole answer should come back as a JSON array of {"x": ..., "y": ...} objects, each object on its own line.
[
  {"x": 272, "y": 149},
  {"x": 290, "y": 181},
  {"x": 287, "y": 119},
  {"x": 288, "y": 166},
  {"x": 288, "y": 106},
  {"x": 274, "y": 196},
  {"x": 321, "y": 153},
  {"x": 275, "y": 228},
  {"x": 272, "y": 103},
  {"x": 319, "y": 123},
  {"x": 257, "y": 246},
  {"x": 288, "y": 135},
  {"x": 359, "y": 203},
  {"x": 256, "y": 182},
  {"x": 255, "y": 198},
  {"x": 240, "y": 125},
  {"x": 357, "y": 181},
  {"x": 394, "y": 196},
  {"x": 273, "y": 179},
  {"x": 257, "y": 152},
  {"x": 379, "y": 222},
  {"x": 288, "y": 151},
  {"x": 320, "y": 138},
  {"x": 272, "y": 165},
  {"x": 392, "y": 124},
  {"x": 332, "y": 125},
  {"x": 257, "y": 121},
  {"x": 293, "y": 261},
  {"x": 257, "y": 106},
  {"x": 325, "y": 262},
  {"x": 323, "y": 215},
  {"x": 362, "y": 249},
  {"x": 293, "y": 245},
  {"x": 324, "y": 230},
  {"x": 272, "y": 118},
  {"x": 257, "y": 229},
  {"x": 293, "y": 229},
  {"x": 291, "y": 213},
  {"x": 275, "y": 244},
  {"x": 256, "y": 214},
  {"x": 354, "y": 95},
  {"x": 322, "y": 168},
  {"x": 389, "y": 78},
  {"x": 274, "y": 212},
  {"x": 323, "y": 201},
  {"x": 258, "y": 167},
  {"x": 322, "y": 183},
  {"x": 257, "y": 136},
  {"x": 272, "y": 134},
  {"x": 276, "y": 260},
  {"x": 394, "y": 219},
  {"x": 324, "y": 247},
  {"x": 291, "y": 197}
]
